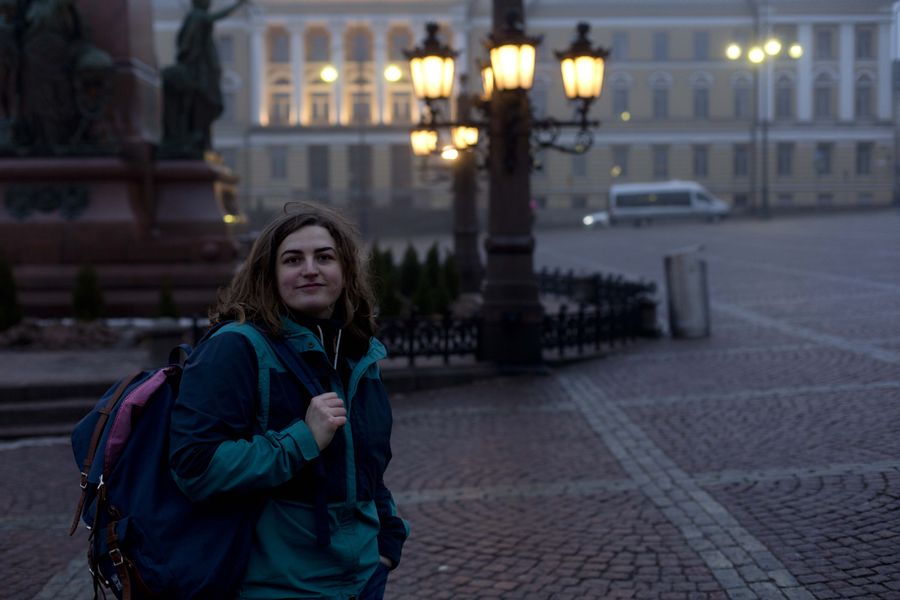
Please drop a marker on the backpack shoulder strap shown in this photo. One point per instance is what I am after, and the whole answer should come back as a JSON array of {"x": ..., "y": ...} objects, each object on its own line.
[
  {"x": 95, "y": 441},
  {"x": 267, "y": 349}
]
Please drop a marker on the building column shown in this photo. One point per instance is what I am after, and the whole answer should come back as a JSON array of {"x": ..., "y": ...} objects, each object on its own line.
[
  {"x": 804, "y": 73},
  {"x": 379, "y": 56},
  {"x": 418, "y": 34},
  {"x": 846, "y": 82},
  {"x": 259, "y": 112},
  {"x": 298, "y": 72},
  {"x": 461, "y": 43},
  {"x": 883, "y": 108},
  {"x": 338, "y": 29}
]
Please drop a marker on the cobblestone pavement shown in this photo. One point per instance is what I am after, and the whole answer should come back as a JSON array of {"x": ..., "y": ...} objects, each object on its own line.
[{"x": 763, "y": 462}]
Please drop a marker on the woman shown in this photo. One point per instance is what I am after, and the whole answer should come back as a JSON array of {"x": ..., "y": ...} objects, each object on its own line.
[{"x": 328, "y": 526}]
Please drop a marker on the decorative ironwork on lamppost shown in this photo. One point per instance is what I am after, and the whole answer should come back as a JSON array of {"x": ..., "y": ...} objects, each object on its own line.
[
  {"x": 760, "y": 56},
  {"x": 511, "y": 311}
]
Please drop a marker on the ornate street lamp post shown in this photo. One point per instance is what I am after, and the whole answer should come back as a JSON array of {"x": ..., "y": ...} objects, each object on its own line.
[{"x": 512, "y": 315}]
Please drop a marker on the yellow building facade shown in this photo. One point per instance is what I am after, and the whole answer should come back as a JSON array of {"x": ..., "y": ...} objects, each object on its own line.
[{"x": 319, "y": 102}]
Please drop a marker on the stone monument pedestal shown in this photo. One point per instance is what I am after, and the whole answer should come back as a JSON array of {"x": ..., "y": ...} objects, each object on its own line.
[{"x": 139, "y": 228}]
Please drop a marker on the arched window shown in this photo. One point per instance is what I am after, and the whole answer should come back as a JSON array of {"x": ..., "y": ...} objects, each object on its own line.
[
  {"x": 279, "y": 46},
  {"x": 784, "y": 97},
  {"x": 701, "y": 82},
  {"x": 863, "y": 97},
  {"x": 318, "y": 45},
  {"x": 621, "y": 86},
  {"x": 360, "y": 44},
  {"x": 823, "y": 96},
  {"x": 742, "y": 96},
  {"x": 399, "y": 39},
  {"x": 660, "y": 83}
]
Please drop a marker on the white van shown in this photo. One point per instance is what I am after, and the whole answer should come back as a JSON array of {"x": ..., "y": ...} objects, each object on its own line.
[{"x": 644, "y": 202}]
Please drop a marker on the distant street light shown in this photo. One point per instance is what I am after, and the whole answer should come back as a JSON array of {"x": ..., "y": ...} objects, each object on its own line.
[{"x": 760, "y": 56}]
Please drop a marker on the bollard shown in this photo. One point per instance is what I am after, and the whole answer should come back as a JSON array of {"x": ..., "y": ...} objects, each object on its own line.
[{"x": 687, "y": 293}]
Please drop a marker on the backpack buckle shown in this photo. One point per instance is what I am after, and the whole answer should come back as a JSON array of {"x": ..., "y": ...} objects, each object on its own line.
[
  {"x": 115, "y": 555},
  {"x": 84, "y": 480}
]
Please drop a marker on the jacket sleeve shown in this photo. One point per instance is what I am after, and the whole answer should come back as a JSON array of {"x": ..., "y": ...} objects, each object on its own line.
[
  {"x": 394, "y": 530},
  {"x": 216, "y": 443}
]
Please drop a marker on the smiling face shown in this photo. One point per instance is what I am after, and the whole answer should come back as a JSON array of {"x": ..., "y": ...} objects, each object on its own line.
[{"x": 309, "y": 274}]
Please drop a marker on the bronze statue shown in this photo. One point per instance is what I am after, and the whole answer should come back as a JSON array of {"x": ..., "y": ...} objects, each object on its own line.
[
  {"x": 9, "y": 59},
  {"x": 61, "y": 82},
  {"x": 192, "y": 94}
]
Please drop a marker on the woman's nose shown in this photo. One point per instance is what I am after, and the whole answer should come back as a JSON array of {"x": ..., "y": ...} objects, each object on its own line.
[{"x": 308, "y": 266}]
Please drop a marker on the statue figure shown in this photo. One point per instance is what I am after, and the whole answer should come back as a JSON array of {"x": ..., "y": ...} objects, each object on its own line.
[
  {"x": 52, "y": 27},
  {"x": 9, "y": 59},
  {"x": 192, "y": 93},
  {"x": 64, "y": 82}
]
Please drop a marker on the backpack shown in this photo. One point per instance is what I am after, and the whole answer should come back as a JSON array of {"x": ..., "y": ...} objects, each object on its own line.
[{"x": 147, "y": 539}]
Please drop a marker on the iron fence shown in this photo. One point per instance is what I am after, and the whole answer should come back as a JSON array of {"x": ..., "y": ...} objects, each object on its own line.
[
  {"x": 429, "y": 336},
  {"x": 611, "y": 311}
]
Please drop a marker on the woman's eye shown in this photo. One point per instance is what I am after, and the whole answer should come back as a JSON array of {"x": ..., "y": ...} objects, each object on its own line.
[{"x": 325, "y": 257}]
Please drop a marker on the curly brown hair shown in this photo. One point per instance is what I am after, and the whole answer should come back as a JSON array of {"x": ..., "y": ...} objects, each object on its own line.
[{"x": 253, "y": 292}]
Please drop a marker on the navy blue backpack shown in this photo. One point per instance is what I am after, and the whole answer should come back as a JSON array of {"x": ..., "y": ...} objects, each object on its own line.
[{"x": 148, "y": 540}]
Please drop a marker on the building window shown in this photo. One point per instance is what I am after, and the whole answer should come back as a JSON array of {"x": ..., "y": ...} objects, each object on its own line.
[
  {"x": 279, "y": 46},
  {"x": 825, "y": 199},
  {"x": 319, "y": 102},
  {"x": 784, "y": 98},
  {"x": 865, "y": 199},
  {"x": 317, "y": 46},
  {"x": 619, "y": 45},
  {"x": 360, "y": 171},
  {"x": 824, "y": 43},
  {"x": 661, "y": 45},
  {"x": 399, "y": 40},
  {"x": 579, "y": 165},
  {"x": 620, "y": 101},
  {"x": 701, "y": 45},
  {"x": 822, "y": 95},
  {"x": 784, "y": 159},
  {"x": 620, "y": 161},
  {"x": 278, "y": 162},
  {"x": 739, "y": 200},
  {"x": 660, "y": 103},
  {"x": 862, "y": 98},
  {"x": 280, "y": 108},
  {"x": 360, "y": 48},
  {"x": 401, "y": 176},
  {"x": 579, "y": 202},
  {"x": 864, "y": 43},
  {"x": 661, "y": 162},
  {"x": 701, "y": 161},
  {"x": 785, "y": 199},
  {"x": 401, "y": 107},
  {"x": 864, "y": 158},
  {"x": 822, "y": 159},
  {"x": 742, "y": 98},
  {"x": 741, "y": 160},
  {"x": 701, "y": 103},
  {"x": 225, "y": 46},
  {"x": 361, "y": 108},
  {"x": 318, "y": 174}
]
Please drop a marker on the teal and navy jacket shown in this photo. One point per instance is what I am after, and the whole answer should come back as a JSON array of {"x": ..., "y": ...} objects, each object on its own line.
[{"x": 237, "y": 429}]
